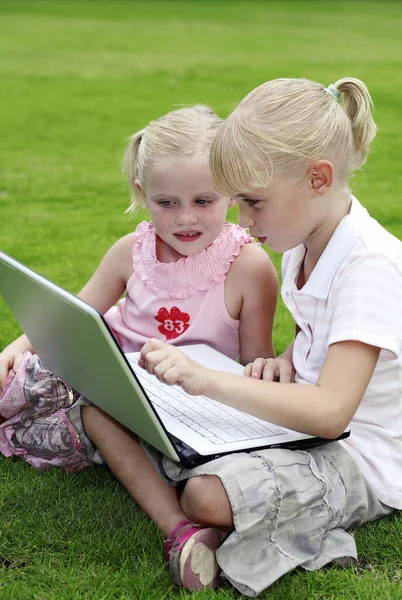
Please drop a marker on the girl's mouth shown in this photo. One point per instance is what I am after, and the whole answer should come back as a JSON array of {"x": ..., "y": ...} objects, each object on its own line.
[
  {"x": 187, "y": 236},
  {"x": 261, "y": 238}
]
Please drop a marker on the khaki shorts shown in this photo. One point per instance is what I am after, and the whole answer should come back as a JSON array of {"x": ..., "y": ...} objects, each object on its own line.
[{"x": 290, "y": 509}]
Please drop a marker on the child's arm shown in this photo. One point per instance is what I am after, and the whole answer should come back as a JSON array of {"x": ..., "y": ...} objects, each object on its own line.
[
  {"x": 252, "y": 285},
  {"x": 109, "y": 281},
  {"x": 323, "y": 410}
]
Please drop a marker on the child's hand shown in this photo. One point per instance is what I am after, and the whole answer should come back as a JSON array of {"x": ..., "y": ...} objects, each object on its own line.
[
  {"x": 271, "y": 369},
  {"x": 173, "y": 367},
  {"x": 9, "y": 360}
]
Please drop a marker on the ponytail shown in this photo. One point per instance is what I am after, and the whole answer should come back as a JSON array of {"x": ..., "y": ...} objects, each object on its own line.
[
  {"x": 132, "y": 165},
  {"x": 357, "y": 104}
]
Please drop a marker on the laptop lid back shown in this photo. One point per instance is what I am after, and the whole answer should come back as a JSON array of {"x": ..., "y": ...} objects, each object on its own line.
[{"x": 74, "y": 342}]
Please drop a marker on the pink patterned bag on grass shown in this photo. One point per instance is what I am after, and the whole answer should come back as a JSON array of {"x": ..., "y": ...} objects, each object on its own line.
[{"x": 40, "y": 419}]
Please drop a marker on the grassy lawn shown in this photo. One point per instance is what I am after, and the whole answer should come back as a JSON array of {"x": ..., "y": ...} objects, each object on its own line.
[{"x": 76, "y": 79}]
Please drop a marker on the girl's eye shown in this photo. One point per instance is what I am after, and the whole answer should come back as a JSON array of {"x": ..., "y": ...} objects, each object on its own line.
[
  {"x": 202, "y": 201},
  {"x": 166, "y": 203},
  {"x": 250, "y": 201}
]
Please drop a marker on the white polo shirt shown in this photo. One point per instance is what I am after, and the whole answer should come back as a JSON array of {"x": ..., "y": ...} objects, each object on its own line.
[{"x": 355, "y": 293}]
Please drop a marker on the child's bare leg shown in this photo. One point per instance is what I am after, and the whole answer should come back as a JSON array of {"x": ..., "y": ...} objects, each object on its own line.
[
  {"x": 204, "y": 500},
  {"x": 126, "y": 459},
  {"x": 190, "y": 548}
]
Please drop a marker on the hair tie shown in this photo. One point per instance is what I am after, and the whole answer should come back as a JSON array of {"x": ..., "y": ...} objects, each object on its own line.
[{"x": 334, "y": 92}]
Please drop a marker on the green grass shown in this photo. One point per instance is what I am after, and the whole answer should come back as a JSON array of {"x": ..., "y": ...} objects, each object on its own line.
[{"x": 76, "y": 79}]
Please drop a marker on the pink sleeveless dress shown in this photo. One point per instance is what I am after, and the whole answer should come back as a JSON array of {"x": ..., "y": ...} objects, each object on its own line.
[{"x": 179, "y": 302}]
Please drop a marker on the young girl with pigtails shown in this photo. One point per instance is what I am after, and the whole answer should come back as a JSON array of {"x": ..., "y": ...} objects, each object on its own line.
[
  {"x": 286, "y": 154},
  {"x": 188, "y": 277}
]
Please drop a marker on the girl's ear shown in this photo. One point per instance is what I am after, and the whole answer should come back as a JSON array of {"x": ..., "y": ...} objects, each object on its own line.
[
  {"x": 321, "y": 176},
  {"x": 138, "y": 186},
  {"x": 232, "y": 202}
]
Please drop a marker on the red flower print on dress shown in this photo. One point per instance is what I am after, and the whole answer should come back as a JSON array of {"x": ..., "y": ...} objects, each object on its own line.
[{"x": 174, "y": 323}]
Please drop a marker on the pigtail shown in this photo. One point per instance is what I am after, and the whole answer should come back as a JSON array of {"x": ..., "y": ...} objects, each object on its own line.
[
  {"x": 133, "y": 167},
  {"x": 357, "y": 104}
]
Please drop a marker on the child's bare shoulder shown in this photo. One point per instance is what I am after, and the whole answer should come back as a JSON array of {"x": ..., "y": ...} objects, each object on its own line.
[
  {"x": 123, "y": 248},
  {"x": 252, "y": 262},
  {"x": 126, "y": 242},
  {"x": 120, "y": 256}
]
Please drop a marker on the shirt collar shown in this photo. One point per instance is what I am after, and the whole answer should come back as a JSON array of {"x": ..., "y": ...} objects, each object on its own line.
[{"x": 342, "y": 241}]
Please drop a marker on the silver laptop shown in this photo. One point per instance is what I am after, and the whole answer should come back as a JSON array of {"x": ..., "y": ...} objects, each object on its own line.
[{"x": 74, "y": 342}]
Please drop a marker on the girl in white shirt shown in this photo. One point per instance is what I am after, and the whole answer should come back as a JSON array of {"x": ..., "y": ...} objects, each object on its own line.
[{"x": 286, "y": 154}]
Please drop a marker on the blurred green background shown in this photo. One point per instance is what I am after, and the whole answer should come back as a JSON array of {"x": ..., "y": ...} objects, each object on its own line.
[{"x": 76, "y": 79}]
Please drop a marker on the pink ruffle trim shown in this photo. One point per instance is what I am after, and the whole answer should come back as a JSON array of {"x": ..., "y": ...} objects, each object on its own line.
[{"x": 191, "y": 275}]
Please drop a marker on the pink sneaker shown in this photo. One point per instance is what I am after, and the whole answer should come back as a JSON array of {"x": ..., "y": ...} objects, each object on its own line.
[{"x": 190, "y": 552}]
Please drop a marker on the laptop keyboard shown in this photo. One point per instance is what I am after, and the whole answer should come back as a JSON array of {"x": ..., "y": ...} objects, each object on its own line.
[{"x": 212, "y": 420}]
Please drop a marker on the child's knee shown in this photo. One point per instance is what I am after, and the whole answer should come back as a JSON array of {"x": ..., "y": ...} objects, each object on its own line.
[{"x": 204, "y": 500}]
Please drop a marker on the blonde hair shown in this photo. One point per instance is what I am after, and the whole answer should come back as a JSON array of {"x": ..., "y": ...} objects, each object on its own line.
[
  {"x": 180, "y": 133},
  {"x": 285, "y": 124}
]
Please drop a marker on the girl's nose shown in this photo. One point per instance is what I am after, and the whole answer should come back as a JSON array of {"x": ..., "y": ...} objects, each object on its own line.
[
  {"x": 246, "y": 220},
  {"x": 186, "y": 218}
]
